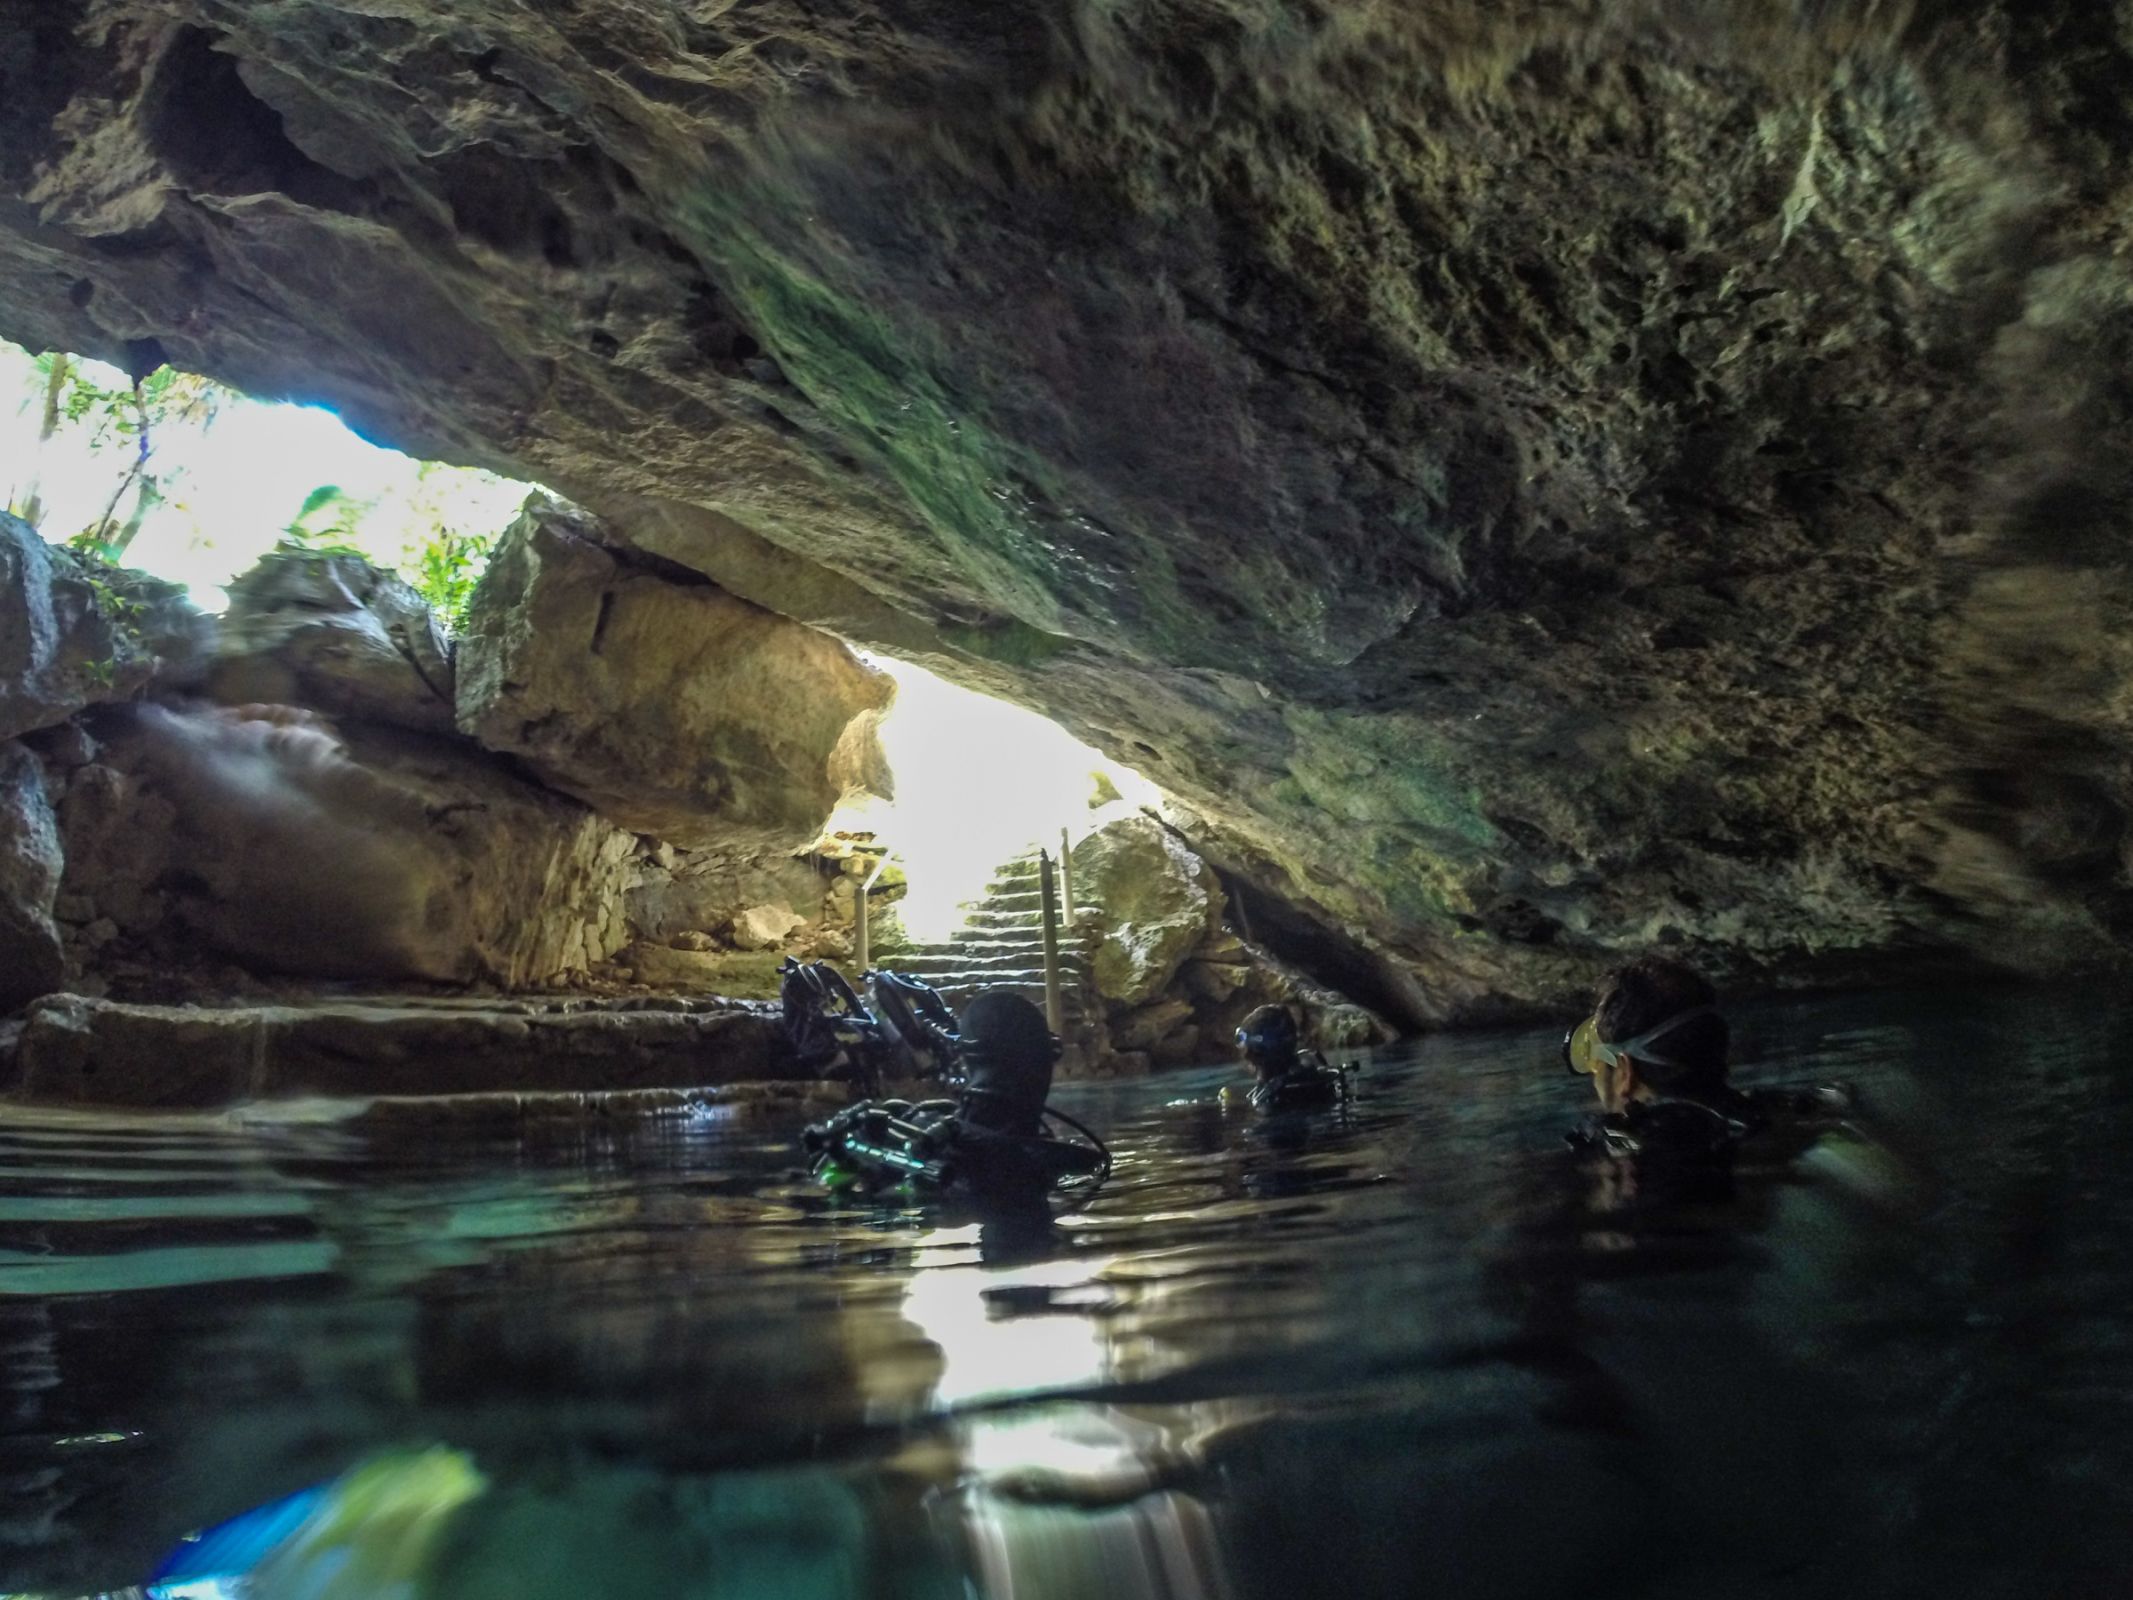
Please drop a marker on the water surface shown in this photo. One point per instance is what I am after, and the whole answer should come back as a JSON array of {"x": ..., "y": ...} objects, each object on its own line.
[{"x": 1419, "y": 1349}]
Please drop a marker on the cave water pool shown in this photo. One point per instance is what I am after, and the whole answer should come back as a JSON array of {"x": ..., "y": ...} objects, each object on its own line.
[{"x": 1422, "y": 1349}]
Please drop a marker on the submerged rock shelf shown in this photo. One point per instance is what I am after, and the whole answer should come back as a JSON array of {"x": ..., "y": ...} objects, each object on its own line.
[{"x": 97, "y": 1052}]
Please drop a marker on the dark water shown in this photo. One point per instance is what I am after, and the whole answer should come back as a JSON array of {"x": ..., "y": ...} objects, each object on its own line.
[{"x": 1422, "y": 1351}]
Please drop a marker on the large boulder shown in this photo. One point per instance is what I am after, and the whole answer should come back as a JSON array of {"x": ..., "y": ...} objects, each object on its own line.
[
  {"x": 276, "y": 840},
  {"x": 337, "y": 634},
  {"x": 1158, "y": 901},
  {"x": 31, "y": 962},
  {"x": 672, "y": 707},
  {"x": 73, "y": 634}
]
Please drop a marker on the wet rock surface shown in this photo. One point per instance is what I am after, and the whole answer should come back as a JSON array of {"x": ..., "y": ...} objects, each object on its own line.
[
  {"x": 1542, "y": 482},
  {"x": 98, "y": 1052}
]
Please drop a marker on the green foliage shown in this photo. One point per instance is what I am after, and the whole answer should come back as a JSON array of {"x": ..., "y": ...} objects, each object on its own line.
[
  {"x": 116, "y": 472},
  {"x": 128, "y": 417},
  {"x": 91, "y": 547},
  {"x": 446, "y": 571},
  {"x": 123, "y": 611},
  {"x": 326, "y": 524}
]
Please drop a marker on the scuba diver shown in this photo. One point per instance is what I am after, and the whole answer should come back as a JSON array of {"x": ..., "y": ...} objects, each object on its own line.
[
  {"x": 987, "y": 1144},
  {"x": 1656, "y": 1048},
  {"x": 1286, "y": 1079}
]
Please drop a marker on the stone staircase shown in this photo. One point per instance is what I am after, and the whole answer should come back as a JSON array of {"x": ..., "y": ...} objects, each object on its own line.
[{"x": 1003, "y": 946}]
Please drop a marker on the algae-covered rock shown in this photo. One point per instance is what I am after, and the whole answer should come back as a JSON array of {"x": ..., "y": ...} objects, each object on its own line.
[
  {"x": 1159, "y": 901},
  {"x": 31, "y": 960},
  {"x": 672, "y": 707},
  {"x": 736, "y": 974}
]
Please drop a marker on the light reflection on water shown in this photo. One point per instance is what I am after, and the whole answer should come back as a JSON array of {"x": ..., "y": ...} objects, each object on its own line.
[{"x": 1416, "y": 1349}]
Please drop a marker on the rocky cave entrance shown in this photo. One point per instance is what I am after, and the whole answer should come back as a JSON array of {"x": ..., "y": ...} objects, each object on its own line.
[{"x": 320, "y": 719}]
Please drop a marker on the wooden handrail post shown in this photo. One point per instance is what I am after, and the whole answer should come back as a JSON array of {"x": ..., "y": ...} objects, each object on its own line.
[
  {"x": 1054, "y": 1012},
  {"x": 860, "y": 953},
  {"x": 1066, "y": 877},
  {"x": 862, "y": 944}
]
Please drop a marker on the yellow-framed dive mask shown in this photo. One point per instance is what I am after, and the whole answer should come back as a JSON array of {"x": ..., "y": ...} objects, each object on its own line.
[{"x": 1585, "y": 1052}]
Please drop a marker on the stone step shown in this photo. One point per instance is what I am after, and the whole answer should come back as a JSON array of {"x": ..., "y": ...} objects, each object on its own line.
[
  {"x": 921, "y": 964},
  {"x": 980, "y": 943},
  {"x": 1016, "y": 921},
  {"x": 100, "y": 1052},
  {"x": 1028, "y": 902}
]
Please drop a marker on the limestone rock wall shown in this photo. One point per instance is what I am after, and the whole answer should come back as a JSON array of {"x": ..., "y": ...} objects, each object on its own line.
[
  {"x": 282, "y": 793},
  {"x": 74, "y": 635},
  {"x": 31, "y": 960},
  {"x": 283, "y": 844},
  {"x": 1172, "y": 975},
  {"x": 672, "y": 707},
  {"x": 1159, "y": 903},
  {"x": 1543, "y": 479}
]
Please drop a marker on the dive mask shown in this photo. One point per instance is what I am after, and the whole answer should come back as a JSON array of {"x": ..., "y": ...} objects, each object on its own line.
[{"x": 1585, "y": 1052}]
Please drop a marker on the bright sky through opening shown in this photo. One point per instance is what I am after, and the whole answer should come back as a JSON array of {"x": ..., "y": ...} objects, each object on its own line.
[
  {"x": 235, "y": 480},
  {"x": 978, "y": 781}
]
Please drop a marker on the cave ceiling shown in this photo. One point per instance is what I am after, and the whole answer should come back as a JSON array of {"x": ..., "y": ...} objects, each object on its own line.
[{"x": 1538, "y": 480}]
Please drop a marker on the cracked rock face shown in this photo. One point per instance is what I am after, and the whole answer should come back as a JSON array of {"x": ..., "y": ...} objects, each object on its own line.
[
  {"x": 674, "y": 709},
  {"x": 1540, "y": 479}
]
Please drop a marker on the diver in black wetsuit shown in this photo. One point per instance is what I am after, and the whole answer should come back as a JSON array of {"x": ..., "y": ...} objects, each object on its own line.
[
  {"x": 1656, "y": 1048},
  {"x": 1287, "y": 1079},
  {"x": 988, "y": 1144}
]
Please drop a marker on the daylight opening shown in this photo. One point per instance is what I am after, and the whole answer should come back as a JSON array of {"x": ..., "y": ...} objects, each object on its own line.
[
  {"x": 194, "y": 482},
  {"x": 978, "y": 782}
]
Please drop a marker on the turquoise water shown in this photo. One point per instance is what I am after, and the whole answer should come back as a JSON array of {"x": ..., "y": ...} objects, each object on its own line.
[{"x": 1422, "y": 1349}]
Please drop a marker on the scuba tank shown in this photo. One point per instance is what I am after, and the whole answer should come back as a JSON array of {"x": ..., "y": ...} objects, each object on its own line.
[{"x": 921, "y": 1020}]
